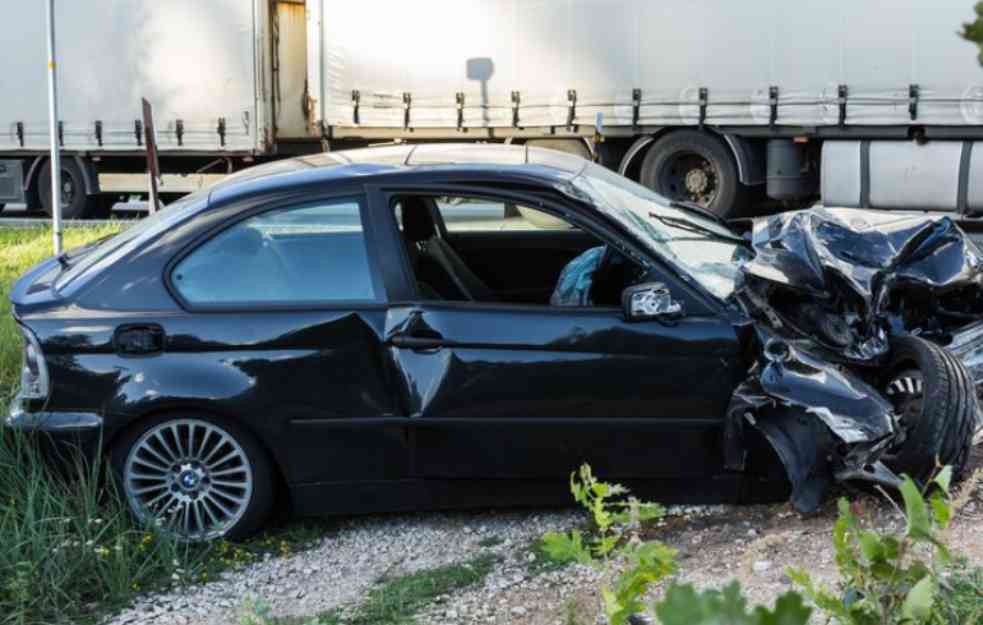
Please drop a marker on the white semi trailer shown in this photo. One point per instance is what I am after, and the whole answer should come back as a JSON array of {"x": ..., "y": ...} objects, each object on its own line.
[{"x": 867, "y": 104}]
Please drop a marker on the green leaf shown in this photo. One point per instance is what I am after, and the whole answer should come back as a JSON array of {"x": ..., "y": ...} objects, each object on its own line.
[
  {"x": 892, "y": 547},
  {"x": 577, "y": 489},
  {"x": 917, "y": 606},
  {"x": 871, "y": 546},
  {"x": 563, "y": 548},
  {"x": 732, "y": 607},
  {"x": 681, "y": 605},
  {"x": 648, "y": 511},
  {"x": 789, "y": 610},
  {"x": 944, "y": 478},
  {"x": 919, "y": 524},
  {"x": 600, "y": 489},
  {"x": 940, "y": 509},
  {"x": 613, "y": 608},
  {"x": 604, "y": 545},
  {"x": 822, "y": 598}
]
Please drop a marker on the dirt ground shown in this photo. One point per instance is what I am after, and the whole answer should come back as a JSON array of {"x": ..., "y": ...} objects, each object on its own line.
[{"x": 753, "y": 544}]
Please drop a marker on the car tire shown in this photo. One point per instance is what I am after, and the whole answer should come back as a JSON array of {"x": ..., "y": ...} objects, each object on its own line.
[
  {"x": 2, "y": 206},
  {"x": 75, "y": 204},
  {"x": 213, "y": 479},
  {"x": 694, "y": 166},
  {"x": 936, "y": 398}
]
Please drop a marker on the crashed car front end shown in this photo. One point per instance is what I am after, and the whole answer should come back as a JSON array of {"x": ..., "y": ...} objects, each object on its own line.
[{"x": 829, "y": 291}]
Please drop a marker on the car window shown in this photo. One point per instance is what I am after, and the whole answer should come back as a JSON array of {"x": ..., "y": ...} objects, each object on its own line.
[
  {"x": 311, "y": 253},
  {"x": 461, "y": 214}
]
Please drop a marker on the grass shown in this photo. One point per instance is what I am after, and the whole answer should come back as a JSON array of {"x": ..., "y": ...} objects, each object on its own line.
[
  {"x": 69, "y": 549},
  {"x": 395, "y": 601},
  {"x": 962, "y": 599},
  {"x": 19, "y": 250}
]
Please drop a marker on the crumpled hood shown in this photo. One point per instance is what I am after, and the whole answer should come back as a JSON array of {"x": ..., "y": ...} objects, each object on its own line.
[
  {"x": 864, "y": 259},
  {"x": 869, "y": 251}
]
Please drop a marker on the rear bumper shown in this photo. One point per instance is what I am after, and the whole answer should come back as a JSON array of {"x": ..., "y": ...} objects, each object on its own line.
[{"x": 60, "y": 435}]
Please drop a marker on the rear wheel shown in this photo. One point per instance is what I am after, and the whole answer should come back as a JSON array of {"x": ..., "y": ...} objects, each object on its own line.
[
  {"x": 935, "y": 398},
  {"x": 74, "y": 203},
  {"x": 198, "y": 478},
  {"x": 694, "y": 166}
]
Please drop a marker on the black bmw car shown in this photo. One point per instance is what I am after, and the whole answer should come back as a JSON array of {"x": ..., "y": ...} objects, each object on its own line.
[{"x": 444, "y": 325}]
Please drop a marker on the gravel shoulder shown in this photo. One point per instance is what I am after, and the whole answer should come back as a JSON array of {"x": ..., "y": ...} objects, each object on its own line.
[{"x": 717, "y": 544}]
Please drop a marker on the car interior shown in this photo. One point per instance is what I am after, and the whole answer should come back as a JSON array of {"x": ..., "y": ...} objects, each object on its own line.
[{"x": 515, "y": 258}]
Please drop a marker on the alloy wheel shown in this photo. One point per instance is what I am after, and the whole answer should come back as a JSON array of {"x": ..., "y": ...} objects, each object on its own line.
[
  {"x": 190, "y": 477},
  {"x": 905, "y": 391}
]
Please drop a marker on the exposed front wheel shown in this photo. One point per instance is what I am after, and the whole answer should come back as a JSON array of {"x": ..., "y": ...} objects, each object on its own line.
[
  {"x": 197, "y": 478},
  {"x": 935, "y": 398}
]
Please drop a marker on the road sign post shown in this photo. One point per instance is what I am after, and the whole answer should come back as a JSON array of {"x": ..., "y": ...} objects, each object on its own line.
[
  {"x": 56, "y": 182},
  {"x": 153, "y": 164}
]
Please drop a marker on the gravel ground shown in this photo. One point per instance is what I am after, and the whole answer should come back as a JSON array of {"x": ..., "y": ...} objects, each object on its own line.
[
  {"x": 717, "y": 544},
  {"x": 343, "y": 566}
]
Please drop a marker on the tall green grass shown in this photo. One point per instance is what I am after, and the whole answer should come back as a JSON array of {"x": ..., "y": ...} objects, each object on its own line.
[
  {"x": 68, "y": 548},
  {"x": 20, "y": 249}
]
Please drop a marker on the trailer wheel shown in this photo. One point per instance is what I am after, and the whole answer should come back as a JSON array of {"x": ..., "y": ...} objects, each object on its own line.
[
  {"x": 693, "y": 166},
  {"x": 935, "y": 398},
  {"x": 74, "y": 203}
]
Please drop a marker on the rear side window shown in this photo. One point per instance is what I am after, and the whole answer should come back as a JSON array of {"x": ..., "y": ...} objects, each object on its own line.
[{"x": 306, "y": 254}]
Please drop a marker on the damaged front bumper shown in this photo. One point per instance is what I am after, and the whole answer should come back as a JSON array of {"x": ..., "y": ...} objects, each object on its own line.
[
  {"x": 828, "y": 292},
  {"x": 823, "y": 421}
]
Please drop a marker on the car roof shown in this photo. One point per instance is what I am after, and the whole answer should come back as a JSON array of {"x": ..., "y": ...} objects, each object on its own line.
[{"x": 516, "y": 161}]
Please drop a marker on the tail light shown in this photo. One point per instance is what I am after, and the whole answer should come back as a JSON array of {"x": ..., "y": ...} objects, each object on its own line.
[{"x": 34, "y": 382}]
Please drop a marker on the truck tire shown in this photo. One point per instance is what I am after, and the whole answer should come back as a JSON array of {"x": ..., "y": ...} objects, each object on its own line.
[
  {"x": 936, "y": 399},
  {"x": 74, "y": 203},
  {"x": 693, "y": 166}
]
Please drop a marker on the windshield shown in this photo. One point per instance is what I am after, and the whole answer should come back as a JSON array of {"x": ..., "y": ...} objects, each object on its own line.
[
  {"x": 702, "y": 248},
  {"x": 108, "y": 251}
]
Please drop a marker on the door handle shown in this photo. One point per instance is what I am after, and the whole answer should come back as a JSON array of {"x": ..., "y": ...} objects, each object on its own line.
[{"x": 418, "y": 340}]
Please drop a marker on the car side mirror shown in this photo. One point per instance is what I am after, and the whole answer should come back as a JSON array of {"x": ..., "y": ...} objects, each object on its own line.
[{"x": 650, "y": 300}]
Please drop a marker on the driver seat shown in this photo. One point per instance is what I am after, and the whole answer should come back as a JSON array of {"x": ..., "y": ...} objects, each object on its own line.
[{"x": 434, "y": 261}]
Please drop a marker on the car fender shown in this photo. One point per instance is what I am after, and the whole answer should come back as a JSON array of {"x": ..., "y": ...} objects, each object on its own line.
[
  {"x": 803, "y": 447},
  {"x": 852, "y": 409},
  {"x": 165, "y": 384}
]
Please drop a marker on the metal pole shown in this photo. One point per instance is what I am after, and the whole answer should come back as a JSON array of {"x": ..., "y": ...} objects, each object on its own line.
[{"x": 53, "y": 124}]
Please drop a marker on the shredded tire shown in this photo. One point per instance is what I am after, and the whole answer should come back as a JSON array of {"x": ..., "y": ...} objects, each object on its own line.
[{"x": 942, "y": 433}]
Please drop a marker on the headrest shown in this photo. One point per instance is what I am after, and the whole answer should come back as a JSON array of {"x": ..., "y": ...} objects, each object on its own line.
[
  {"x": 242, "y": 242},
  {"x": 417, "y": 221}
]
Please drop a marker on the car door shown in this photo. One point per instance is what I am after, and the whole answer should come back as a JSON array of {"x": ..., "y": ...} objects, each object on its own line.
[
  {"x": 498, "y": 390},
  {"x": 286, "y": 316}
]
